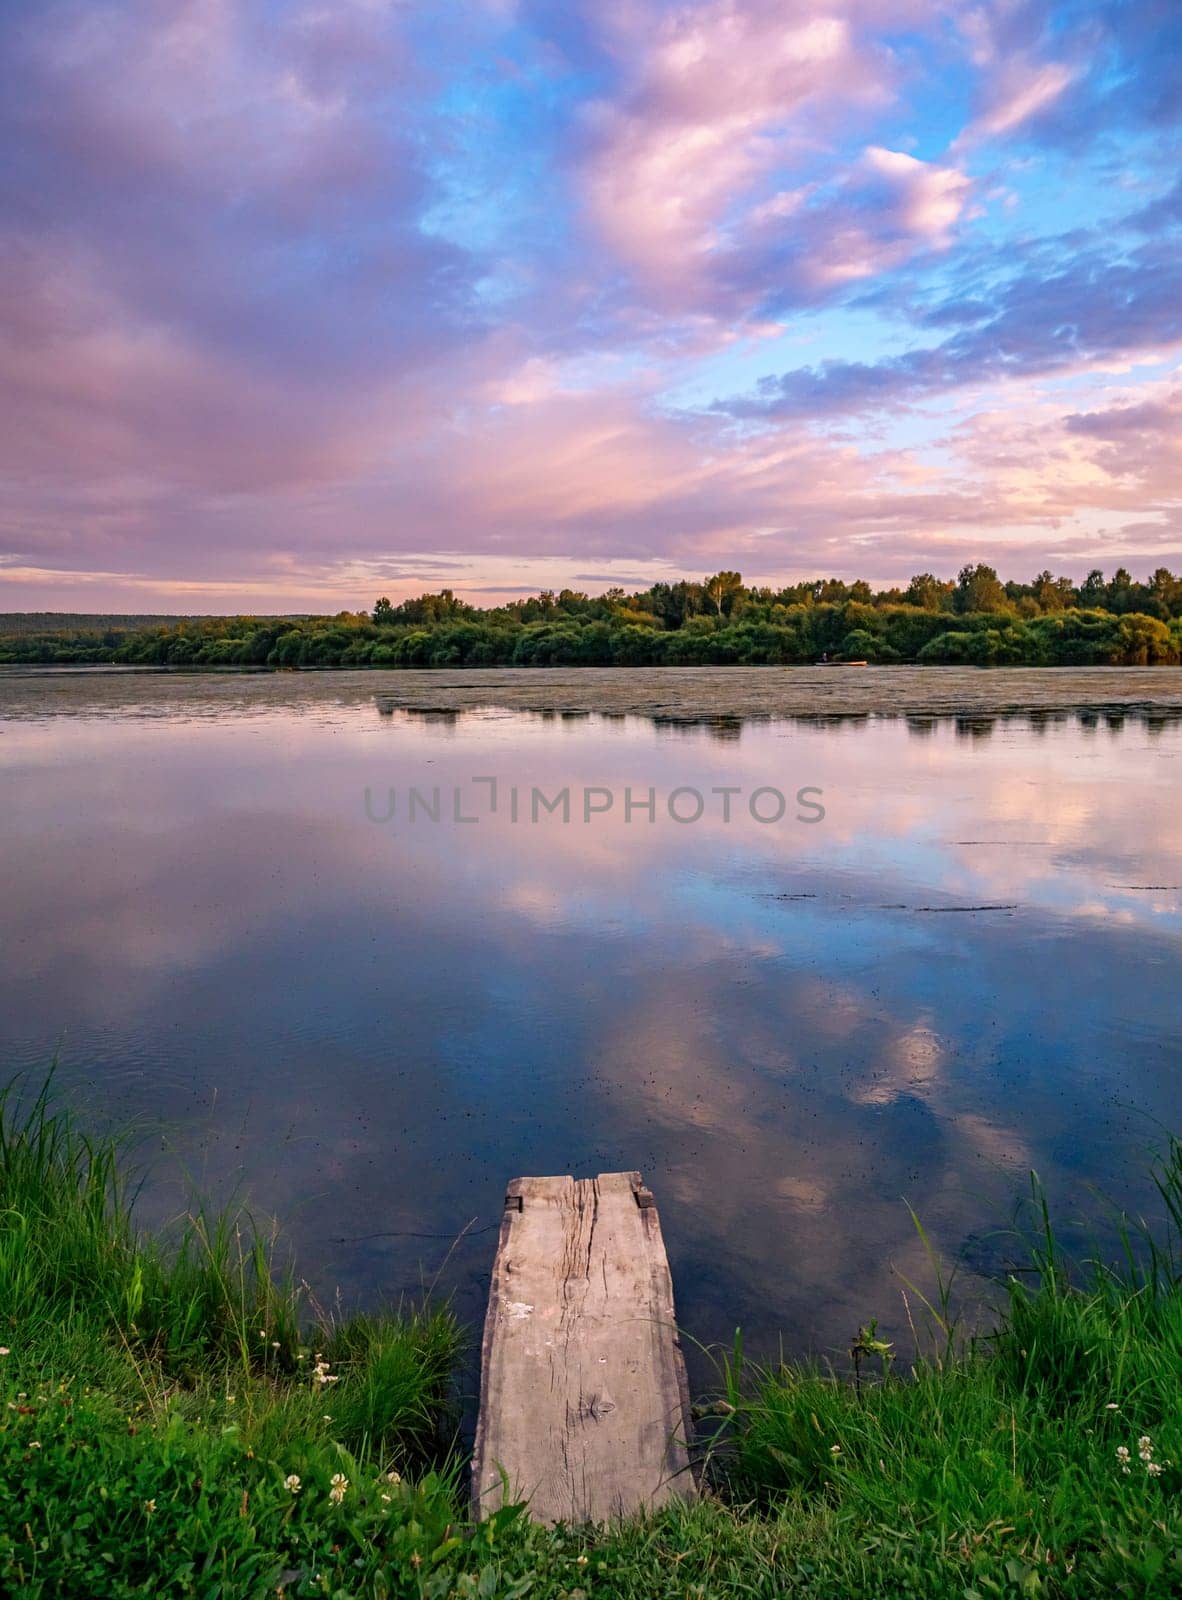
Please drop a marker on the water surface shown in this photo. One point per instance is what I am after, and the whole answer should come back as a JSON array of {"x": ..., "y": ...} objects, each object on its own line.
[{"x": 971, "y": 967}]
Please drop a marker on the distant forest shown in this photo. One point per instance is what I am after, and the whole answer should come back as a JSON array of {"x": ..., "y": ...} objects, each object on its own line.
[
  {"x": 974, "y": 620},
  {"x": 91, "y": 622}
]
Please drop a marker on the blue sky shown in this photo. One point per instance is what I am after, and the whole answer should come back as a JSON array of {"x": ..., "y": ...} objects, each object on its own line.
[{"x": 307, "y": 301}]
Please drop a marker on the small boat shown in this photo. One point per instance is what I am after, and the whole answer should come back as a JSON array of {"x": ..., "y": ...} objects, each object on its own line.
[{"x": 832, "y": 661}]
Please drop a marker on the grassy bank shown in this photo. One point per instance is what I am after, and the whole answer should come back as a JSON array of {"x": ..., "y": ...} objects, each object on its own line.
[{"x": 179, "y": 1418}]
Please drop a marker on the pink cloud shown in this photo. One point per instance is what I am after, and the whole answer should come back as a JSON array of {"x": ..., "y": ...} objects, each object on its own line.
[
  {"x": 930, "y": 198},
  {"x": 1021, "y": 95},
  {"x": 266, "y": 326},
  {"x": 882, "y": 211},
  {"x": 716, "y": 97},
  {"x": 520, "y": 488}
]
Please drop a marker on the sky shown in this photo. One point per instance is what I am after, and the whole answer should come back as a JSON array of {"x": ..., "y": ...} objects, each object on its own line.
[{"x": 306, "y": 301}]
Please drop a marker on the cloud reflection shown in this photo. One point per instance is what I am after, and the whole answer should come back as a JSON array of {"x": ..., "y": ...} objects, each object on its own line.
[{"x": 375, "y": 1026}]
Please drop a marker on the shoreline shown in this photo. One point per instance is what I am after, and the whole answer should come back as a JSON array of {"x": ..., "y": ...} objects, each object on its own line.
[{"x": 163, "y": 1417}]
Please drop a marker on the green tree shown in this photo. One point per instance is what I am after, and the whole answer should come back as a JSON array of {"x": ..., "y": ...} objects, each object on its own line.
[
  {"x": 978, "y": 588},
  {"x": 1167, "y": 592},
  {"x": 927, "y": 592},
  {"x": 1120, "y": 594},
  {"x": 1052, "y": 594},
  {"x": 1145, "y": 641},
  {"x": 676, "y": 602}
]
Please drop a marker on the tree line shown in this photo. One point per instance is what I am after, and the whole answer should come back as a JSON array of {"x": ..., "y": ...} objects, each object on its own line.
[{"x": 974, "y": 620}]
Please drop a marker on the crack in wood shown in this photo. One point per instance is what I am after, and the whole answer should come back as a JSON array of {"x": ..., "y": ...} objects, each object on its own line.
[{"x": 604, "y": 1428}]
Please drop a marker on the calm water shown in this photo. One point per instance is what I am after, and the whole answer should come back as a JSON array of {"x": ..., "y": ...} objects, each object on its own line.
[{"x": 791, "y": 1028}]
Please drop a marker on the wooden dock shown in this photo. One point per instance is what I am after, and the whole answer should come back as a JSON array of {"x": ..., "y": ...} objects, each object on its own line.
[{"x": 584, "y": 1411}]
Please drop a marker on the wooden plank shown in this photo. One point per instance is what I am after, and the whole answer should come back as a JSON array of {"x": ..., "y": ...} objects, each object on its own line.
[{"x": 584, "y": 1411}]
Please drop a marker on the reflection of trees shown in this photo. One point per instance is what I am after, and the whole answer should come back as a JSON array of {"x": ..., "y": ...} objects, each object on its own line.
[
  {"x": 440, "y": 716},
  {"x": 728, "y": 727},
  {"x": 714, "y": 727}
]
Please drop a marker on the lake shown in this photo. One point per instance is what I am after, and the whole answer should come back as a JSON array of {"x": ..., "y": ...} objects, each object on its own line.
[{"x": 226, "y": 913}]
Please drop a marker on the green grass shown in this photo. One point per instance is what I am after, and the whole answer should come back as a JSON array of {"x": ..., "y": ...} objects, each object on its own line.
[{"x": 158, "y": 1395}]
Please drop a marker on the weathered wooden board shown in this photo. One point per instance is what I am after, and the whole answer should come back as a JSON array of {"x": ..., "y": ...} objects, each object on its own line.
[{"x": 583, "y": 1405}]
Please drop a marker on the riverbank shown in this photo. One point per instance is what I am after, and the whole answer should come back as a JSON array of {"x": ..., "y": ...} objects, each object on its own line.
[
  {"x": 181, "y": 1418},
  {"x": 977, "y": 622},
  {"x": 682, "y": 694}
]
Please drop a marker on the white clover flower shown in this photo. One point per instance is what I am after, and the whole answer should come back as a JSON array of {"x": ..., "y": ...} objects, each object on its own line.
[
  {"x": 4, "y": 1350},
  {"x": 1153, "y": 1468},
  {"x": 149, "y": 1506},
  {"x": 393, "y": 1477},
  {"x": 834, "y": 1449},
  {"x": 1112, "y": 1406},
  {"x": 336, "y": 1496},
  {"x": 1122, "y": 1452},
  {"x": 292, "y": 1483}
]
